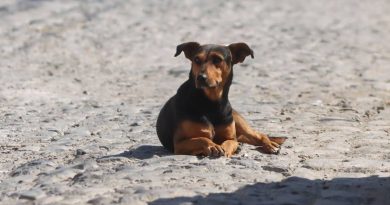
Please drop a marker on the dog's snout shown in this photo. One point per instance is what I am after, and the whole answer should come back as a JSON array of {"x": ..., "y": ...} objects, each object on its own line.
[{"x": 202, "y": 77}]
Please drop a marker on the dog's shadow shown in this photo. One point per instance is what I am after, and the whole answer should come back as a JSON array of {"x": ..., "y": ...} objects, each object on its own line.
[{"x": 142, "y": 152}]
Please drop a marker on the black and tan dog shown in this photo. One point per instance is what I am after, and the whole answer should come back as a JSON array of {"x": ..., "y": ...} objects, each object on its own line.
[{"x": 199, "y": 119}]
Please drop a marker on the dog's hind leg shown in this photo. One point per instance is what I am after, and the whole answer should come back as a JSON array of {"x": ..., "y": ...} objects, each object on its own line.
[{"x": 246, "y": 134}]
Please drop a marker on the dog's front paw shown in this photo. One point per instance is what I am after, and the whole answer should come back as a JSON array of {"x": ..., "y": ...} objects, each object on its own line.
[
  {"x": 269, "y": 146},
  {"x": 213, "y": 150}
]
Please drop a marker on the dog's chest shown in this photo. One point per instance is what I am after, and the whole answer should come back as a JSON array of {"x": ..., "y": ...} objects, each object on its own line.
[{"x": 218, "y": 125}]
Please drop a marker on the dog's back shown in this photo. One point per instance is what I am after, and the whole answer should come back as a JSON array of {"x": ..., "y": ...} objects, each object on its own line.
[{"x": 166, "y": 124}]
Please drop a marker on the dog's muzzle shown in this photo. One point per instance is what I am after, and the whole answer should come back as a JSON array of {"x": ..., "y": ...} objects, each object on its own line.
[{"x": 202, "y": 80}]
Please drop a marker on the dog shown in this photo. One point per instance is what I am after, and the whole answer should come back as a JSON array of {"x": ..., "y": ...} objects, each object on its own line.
[{"x": 199, "y": 119}]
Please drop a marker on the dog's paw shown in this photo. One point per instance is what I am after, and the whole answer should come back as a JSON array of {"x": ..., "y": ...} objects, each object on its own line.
[
  {"x": 270, "y": 147},
  {"x": 279, "y": 140},
  {"x": 214, "y": 150}
]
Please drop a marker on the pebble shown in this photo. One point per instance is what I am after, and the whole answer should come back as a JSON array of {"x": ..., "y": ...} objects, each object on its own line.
[
  {"x": 32, "y": 194},
  {"x": 80, "y": 152}
]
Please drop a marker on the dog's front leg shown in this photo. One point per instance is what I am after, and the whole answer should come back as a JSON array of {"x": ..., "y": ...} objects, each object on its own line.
[
  {"x": 194, "y": 138},
  {"x": 198, "y": 146},
  {"x": 230, "y": 147},
  {"x": 225, "y": 135}
]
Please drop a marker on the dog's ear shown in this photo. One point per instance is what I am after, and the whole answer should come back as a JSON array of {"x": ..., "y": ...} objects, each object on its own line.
[
  {"x": 239, "y": 52},
  {"x": 189, "y": 49}
]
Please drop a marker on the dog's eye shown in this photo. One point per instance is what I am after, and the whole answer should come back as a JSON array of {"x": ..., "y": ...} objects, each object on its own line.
[
  {"x": 197, "y": 60},
  {"x": 216, "y": 60}
]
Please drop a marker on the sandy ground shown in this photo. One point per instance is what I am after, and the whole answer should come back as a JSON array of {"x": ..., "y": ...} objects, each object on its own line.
[{"x": 82, "y": 83}]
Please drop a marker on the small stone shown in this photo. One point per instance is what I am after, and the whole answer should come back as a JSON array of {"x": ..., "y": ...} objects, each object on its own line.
[
  {"x": 104, "y": 147},
  {"x": 32, "y": 194},
  {"x": 379, "y": 109},
  {"x": 134, "y": 124},
  {"x": 80, "y": 152}
]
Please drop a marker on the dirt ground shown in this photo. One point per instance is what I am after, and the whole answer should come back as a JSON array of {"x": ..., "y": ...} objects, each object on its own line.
[{"x": 82, "y": 83}]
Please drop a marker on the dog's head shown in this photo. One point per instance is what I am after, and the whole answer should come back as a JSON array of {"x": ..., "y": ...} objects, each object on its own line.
[{"x": 212, "y": 64}]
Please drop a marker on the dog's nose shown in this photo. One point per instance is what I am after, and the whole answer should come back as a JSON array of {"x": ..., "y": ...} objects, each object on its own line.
[{"x": 202, "y": 77}]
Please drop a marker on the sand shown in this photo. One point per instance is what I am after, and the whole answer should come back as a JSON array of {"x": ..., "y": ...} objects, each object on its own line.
[{"x": 82, "y": 83}]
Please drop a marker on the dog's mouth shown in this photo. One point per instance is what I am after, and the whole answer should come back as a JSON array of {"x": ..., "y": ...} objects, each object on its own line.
[
  {"x": 202, "y": 81},
  {"x": 206, "y": 85}
]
